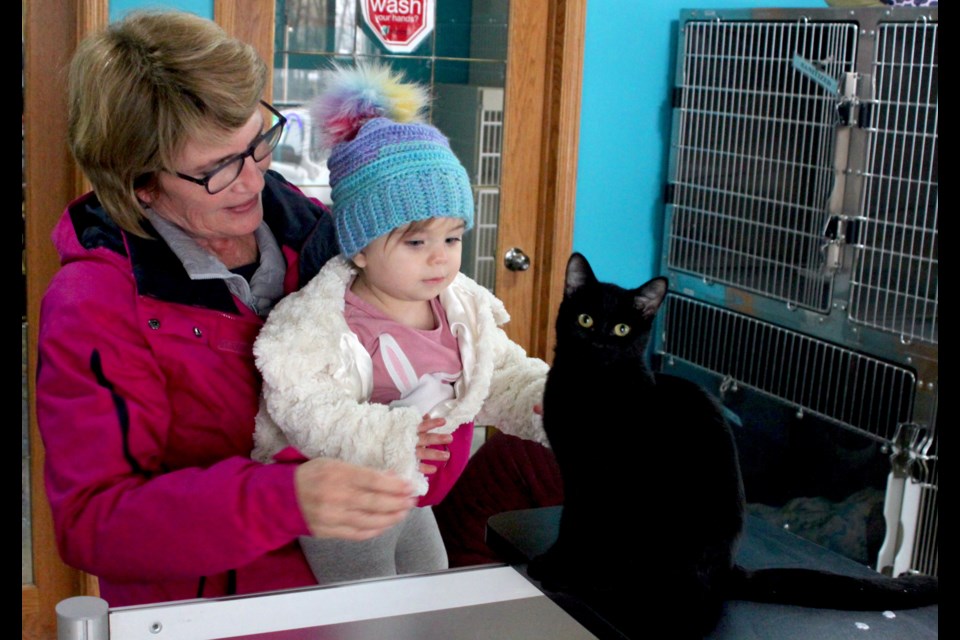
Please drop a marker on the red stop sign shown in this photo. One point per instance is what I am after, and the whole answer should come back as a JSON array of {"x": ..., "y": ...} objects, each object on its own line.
[{"x": 400, "y": 25}]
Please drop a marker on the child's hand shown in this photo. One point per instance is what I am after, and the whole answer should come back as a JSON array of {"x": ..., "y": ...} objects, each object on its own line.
[{"x": 432, "y": 446}]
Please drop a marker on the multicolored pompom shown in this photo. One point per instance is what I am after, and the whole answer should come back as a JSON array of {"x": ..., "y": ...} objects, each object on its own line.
[{"x": 353, "y": 95}]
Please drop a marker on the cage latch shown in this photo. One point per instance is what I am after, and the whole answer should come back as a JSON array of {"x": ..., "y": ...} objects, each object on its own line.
[
  {"x": 909, "y": 451},
  {"x": 838, "y": 231},
  {"x": 846, "y": 113},
  {"x": 853, "y": 106},
  {"x": 728, "y": 385},
  {"x": 842, "y": 229}
]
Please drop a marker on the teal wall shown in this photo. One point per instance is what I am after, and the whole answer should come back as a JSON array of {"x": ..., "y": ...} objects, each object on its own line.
[
  {"x": 200, "y": 7},
  {"x": 625, "y": 130}
]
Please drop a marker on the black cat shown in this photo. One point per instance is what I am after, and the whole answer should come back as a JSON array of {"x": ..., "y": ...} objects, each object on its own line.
[{"x": 652, "y": 488}]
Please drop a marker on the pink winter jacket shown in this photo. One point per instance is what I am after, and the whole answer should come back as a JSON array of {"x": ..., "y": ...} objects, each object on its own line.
[{"x": 146, "y": 395}]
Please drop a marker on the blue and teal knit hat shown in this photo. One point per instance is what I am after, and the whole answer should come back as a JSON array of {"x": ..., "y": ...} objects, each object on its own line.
[{"x": 387, "y": 168}]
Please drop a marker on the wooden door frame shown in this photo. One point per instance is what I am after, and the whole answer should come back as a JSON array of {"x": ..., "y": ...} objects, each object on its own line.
[
  {"x": 541, "y": 134},
  {"x": 539, "y": 187},
  {"x": 52, "y": 180}
]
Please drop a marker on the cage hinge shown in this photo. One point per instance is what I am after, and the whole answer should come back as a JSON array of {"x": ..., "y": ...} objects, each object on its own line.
[{"x": 910, "y": 451}]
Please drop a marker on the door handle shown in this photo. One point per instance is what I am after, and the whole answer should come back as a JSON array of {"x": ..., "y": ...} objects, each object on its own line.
[{"x": 516, "y": 260}]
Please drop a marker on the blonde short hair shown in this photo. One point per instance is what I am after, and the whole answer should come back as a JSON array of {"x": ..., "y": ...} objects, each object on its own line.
[{"x": 144, "y": 86}]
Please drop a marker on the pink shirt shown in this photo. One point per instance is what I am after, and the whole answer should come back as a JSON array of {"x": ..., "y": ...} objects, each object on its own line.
[{"x": 414, "y": 367}]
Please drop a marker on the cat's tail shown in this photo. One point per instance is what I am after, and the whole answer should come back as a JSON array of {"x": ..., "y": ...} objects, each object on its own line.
[{"x": 825, "y": 590}]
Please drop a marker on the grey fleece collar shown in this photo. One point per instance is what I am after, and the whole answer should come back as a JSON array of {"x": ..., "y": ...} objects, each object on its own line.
[{"x": 265, "y": 287}]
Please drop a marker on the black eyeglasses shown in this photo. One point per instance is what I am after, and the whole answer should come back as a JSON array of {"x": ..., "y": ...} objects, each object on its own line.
[{"x": 229, "y": 170}]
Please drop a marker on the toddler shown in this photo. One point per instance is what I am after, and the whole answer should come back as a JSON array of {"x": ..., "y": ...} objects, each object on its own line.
[{"x": 388, "y": 356}]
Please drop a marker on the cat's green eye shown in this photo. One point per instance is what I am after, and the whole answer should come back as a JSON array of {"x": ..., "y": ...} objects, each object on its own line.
[
  {"x": 585, "y": 320},
  {"x": 621, "y": 330}
]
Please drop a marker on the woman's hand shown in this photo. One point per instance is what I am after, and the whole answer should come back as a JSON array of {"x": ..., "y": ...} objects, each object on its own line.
[
  {"x": 341, "y": 500},
  {"x": 427, "y": 442}
]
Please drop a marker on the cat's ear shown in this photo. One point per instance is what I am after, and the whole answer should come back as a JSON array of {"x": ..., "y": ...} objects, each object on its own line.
[
  {"x": 648, "y": 298},
  {"x": 579, "y": 273}
]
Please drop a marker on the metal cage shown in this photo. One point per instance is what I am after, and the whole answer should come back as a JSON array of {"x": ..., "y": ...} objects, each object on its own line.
[{"x": 801, "y": 231}]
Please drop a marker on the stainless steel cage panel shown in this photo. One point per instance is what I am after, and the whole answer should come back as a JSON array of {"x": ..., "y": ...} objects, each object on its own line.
[
  {"x": 895, "y": 284},
  {"x": 491, "y": 138},
  {"x": 472, "y": 118},
  {"x": 847, "y": 388},
  {"x": 754, "y": 155},
  {"x": 483, "y": 247},
  {"x": 801, "y": 230}
]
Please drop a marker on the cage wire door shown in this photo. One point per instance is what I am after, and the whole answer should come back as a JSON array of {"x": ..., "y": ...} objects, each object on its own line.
[
  {"x": 754, "y": 158},
  {"x": 801, "y": 231},
  {"x": 895, "y": 284}
]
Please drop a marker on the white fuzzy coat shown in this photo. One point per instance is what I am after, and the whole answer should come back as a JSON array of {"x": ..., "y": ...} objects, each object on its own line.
[{"x": 317, "y": 378}]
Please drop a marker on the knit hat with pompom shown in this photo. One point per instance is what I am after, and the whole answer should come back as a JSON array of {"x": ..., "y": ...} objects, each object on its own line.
[{"x": 387, "y": 167}]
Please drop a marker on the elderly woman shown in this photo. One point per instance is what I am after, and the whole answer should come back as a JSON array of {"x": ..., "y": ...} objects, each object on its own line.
[{"x": 147, "y": 389}]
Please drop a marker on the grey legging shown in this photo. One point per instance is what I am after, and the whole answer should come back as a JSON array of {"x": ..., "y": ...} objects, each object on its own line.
[{"x": 413, "y": 546}]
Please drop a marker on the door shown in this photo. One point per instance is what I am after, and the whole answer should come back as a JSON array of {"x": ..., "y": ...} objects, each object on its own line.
[{"x": 541, "y": 100}]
